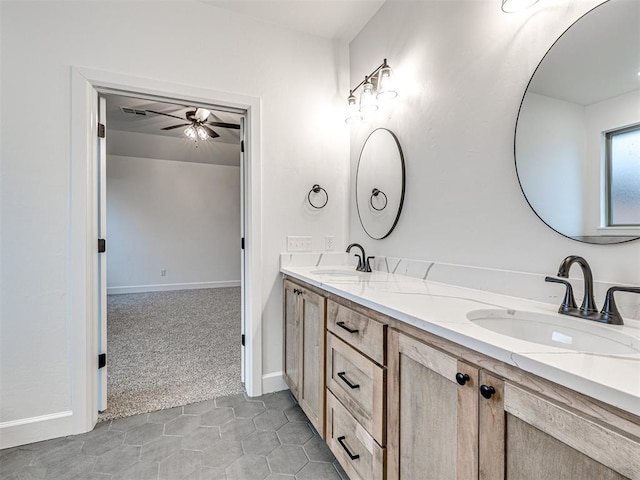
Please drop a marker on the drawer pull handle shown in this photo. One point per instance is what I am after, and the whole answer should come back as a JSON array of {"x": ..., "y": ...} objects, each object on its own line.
[
  {"x": 345, "y": 380},
  {"x": 350, "y": 330},
  {"x": 487, "y": 391},
  {"x": 346, "y": 449}
]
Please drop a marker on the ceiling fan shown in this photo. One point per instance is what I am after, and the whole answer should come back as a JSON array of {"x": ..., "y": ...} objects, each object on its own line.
[{"x": 198, "y": 126}]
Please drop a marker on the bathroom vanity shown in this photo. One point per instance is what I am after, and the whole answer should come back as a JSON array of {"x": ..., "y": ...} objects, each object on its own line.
[{"x": 401, "y": 383}]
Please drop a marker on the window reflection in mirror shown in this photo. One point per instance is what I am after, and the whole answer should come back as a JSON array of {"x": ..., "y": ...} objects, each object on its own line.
[
  {"x": 585, "y": 87},
  {"x": 623, "y": 177}
]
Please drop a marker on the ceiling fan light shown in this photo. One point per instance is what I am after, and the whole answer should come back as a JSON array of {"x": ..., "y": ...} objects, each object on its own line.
[
  {"x": 202, "y": 133},
  {"x": 190, "y": 132},
  {"x": 202, "y": 114}
]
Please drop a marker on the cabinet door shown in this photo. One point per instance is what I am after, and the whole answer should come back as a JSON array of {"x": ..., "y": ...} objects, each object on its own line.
[
  {"x": 292, "y": 344},
  {"x": 526, "y": 436},
  {"x": 312, "y": 394},
  {"x": 432, "y": 420}
]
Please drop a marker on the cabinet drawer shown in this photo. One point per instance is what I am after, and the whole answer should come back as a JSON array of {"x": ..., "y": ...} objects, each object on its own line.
[
  {"x": 359, "y": 384},
  {"x": 360, "y": 331},
  {"x": 358, "y": 453}
]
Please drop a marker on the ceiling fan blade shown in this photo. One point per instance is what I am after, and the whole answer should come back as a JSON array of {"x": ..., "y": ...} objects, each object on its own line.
[
  {"x": 210, "y": 132},
  {"x": 224, "y": 125},
  {"x": 165, "y": 114},
  {"x": 202, "y": 114},
  {"x": 176, "y": 126}
]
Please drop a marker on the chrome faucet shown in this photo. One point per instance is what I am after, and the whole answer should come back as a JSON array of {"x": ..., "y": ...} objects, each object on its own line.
[{"x": 363, "y": 260}]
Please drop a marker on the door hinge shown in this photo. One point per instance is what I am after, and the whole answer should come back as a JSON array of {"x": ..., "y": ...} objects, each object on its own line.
[
  {"x": 102, "y": 131},
  {"x": 242, "y": 146},
  {"x": 243, "y": 339},
  {"x": 102, "y": 245},
  {"x": 102, "y": 360},
  {"x": 242, "y": 243}
]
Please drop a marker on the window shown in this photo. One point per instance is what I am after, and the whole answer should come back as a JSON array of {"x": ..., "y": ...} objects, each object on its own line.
[{"x": 623, "y": 177}]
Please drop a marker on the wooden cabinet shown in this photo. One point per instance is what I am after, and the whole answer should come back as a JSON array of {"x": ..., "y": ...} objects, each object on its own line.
[
  {"x": 402, "y": 403},
  {"x": 524, "y": 435},
  {"x": 304, "y": 350},
  {"x": 432, "y": 419},
  {"x": 451, "y": 420}
]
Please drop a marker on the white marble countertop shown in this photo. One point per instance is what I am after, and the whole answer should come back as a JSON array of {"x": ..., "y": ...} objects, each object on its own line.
[{"x": 442, "y": 309}]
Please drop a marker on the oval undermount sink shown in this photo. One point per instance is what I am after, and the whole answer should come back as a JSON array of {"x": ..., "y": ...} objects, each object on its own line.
[
  {"x": 337, "y": 272},
  {"x": 556, "y": 331}
]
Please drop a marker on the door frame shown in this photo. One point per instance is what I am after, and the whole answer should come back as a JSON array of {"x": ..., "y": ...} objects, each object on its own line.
[{"x": 83, "y": 235}]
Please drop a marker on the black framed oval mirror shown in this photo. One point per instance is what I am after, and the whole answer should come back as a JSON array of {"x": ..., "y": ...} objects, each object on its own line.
[
  {"x": 380, "y": 183},
  {"x": 585, "y": 92}
]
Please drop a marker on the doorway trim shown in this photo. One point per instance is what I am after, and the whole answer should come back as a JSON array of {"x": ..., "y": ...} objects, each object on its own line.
[{"x": 83, "y": 299}]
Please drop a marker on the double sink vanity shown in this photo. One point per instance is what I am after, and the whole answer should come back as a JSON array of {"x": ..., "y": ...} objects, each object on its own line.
[{"x": 417, "y": 379}]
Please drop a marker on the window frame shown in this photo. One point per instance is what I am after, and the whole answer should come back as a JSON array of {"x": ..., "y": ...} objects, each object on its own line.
[{"x": 608, "y": 176}]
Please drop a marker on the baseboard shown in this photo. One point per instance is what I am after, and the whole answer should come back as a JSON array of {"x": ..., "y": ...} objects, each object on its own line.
[
  {"x": 35, "y": 429},
  {"x": 273, "y": 382},
  {"x": 171, "y": 286}
]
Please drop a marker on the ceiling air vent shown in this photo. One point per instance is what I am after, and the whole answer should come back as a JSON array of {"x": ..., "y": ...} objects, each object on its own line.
[{"x": 133, "y": 111}]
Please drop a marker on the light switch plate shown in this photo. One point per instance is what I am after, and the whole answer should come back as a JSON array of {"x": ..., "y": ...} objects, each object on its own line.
[{"x": 298, "y": 244}]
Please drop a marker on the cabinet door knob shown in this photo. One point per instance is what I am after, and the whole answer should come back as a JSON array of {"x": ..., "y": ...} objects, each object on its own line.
[
  {"x": 487, "y": 391},
  {"x": 462, "y": 378},
  {"x": 346, "y": 449}
]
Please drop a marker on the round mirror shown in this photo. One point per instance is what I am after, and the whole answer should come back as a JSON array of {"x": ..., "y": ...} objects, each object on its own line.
[
  {"x": 380, "y": 183},
  {"x": 577, "y": 142}
]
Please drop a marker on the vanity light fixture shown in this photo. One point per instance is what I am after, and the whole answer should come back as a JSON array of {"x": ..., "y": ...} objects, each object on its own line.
[
  {"x": 512, "y": 6},
  {"x": 378, "y": 85}
]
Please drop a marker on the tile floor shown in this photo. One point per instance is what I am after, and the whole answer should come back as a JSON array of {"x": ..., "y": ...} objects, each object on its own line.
[{"x": 234, "y": 437}]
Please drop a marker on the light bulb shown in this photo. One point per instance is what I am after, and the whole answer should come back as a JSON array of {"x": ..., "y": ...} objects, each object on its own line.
[
  {"x": 190, "y": 132},
  {"x": 386, "y": 84},
  {"x": 353, "y": 114},
  {"x": 202, "y": 133},
  {"x": 512, "y": 6},
  {"x": 367, "y": 99}
]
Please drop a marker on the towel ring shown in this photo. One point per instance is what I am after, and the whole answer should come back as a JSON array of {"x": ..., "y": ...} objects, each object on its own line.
[
  {"x": 374, "y": 193},
  {"x": 317, "y": 189}
]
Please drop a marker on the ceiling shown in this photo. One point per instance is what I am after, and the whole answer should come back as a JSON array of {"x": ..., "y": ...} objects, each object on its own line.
[
  {"x": 334, "y": 19},
  {"x": 133, "y": 130}
]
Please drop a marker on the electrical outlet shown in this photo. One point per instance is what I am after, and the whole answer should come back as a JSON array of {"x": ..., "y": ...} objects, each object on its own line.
[
  {"x": 328, "y": 242},
  {"x": 163, "y": 273},
  {"x": 298, "y": 244}
]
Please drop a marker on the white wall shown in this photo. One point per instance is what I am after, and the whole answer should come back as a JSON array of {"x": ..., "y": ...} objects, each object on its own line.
[
  {"x": 182, "y": 217},
  {"x": 300, "y": 79},
  {"x": 462, "y": 68},
  {"x": 551, "y": 151}
]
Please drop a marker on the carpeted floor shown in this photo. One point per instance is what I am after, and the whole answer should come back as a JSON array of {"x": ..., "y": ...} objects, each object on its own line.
[{"x": 171, "y": 348}]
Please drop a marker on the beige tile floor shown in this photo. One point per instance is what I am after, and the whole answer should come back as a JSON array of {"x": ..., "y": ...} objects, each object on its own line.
[{"x": 234, "y": 437}]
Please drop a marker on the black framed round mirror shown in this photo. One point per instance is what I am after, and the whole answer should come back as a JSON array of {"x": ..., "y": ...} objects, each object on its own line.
[
  {"x": 380, "y": 183},
  {"x": 582, "y": 100}
]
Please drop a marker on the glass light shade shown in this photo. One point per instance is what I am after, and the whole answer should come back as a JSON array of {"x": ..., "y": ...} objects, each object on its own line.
[
  {"x": 367, "y": 98},
  {"x": 190, "y": 132},
  {"x": 512, "y": 6},
  {"x": 202, "y": 133},
  {"x": 386, "y": 84},
  {"x": 353, "y": 114}
]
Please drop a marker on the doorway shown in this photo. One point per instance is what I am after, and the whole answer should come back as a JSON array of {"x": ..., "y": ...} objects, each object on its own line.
[
  {"x": 173, "y": 263},
  {"x": 84, "y": 279}
]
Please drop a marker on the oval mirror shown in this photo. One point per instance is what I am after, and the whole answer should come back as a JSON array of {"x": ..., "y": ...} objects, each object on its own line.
[
  {"x": 380, "y": 181},
  {"x": 577, "y": 142}
]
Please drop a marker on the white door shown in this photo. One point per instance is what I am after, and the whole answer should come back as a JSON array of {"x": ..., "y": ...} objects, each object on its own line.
[
  {"x": 102, "y": 256},
  {"x": 243, "y": 220}
]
